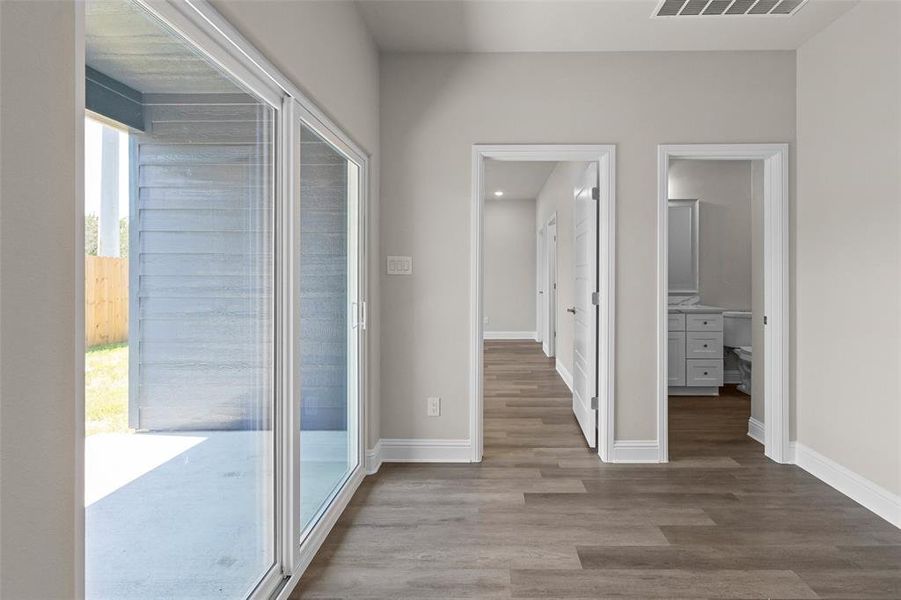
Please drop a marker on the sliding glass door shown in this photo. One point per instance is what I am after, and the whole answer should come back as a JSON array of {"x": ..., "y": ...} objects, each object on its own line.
[
  {"x": 180, "y": 393},
  {"x": 224, "y": 311},
  {"x": 331, "y": 321}
]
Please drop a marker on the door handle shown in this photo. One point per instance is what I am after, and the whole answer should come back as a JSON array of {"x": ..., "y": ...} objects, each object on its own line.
[{"x": 571, "y": 309}]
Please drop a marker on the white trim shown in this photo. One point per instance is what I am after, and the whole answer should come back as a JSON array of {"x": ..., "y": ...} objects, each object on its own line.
[
  {"x": 564, "y": 374},
  {"x": 776, "y": 284},
  {"x": 605, "y": 155},
  {"x": 374, "y": 459},
  {"x": 860, "y": 489},
  {"x": 319, "y": 533},
  {"x": 510, "y": 335},
  {"x": 636, "y": 451},
  {"x": 756, "y": 430},
  {"x": 425, "y": 450}
]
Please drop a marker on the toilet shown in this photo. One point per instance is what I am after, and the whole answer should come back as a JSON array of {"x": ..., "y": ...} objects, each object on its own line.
[{"x": 737, "y": 338}]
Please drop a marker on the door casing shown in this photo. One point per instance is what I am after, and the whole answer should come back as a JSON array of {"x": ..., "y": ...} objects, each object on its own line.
[
  {"x": 605, "y": 155},
  {"x": 776, "y": 251}
]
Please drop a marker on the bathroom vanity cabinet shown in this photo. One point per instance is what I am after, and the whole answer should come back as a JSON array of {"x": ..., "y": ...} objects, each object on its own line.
[{"x": 695, "y": 352}]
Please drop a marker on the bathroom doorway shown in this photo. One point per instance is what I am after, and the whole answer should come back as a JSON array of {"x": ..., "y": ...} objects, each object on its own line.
[{"x": 723, "y": 300}]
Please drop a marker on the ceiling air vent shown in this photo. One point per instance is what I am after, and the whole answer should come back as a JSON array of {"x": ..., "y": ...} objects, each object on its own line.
[{"x": 717, "y": 8}]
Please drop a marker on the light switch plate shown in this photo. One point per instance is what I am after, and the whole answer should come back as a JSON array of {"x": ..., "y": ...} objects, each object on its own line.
[
  {"x": 434, "y": 408},
  {"x": 400, "y": 265}
]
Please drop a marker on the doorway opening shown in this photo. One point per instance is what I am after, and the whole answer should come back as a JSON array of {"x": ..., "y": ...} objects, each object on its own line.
[
  {"x": 723, "y": 294},
  {"x": 548, "y": 284}
]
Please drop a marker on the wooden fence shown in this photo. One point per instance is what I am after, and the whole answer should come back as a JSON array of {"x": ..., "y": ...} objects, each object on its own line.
[{"x": 106, "y": 300}]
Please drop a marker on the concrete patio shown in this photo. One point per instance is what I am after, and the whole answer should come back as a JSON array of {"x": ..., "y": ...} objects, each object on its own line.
[{"x": 189, "y": 515}]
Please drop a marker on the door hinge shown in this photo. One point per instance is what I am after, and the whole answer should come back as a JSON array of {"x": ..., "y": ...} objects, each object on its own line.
[
  {"x": 594, "y": 403},
  {"x": 595, "y": 193},
  {"x": 596, "y": 298},
  {"x": 764, "y": 319}
]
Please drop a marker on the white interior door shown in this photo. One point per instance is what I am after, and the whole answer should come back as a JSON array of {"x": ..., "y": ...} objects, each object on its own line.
[
  {"x": 550, "y": 237},
  {"x": 585, "y": 327}
]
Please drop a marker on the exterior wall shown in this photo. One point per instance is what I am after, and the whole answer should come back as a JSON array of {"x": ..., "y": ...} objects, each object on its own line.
[
  {"x": 201, "y": 265},
  {"x": 509, "y": 257},
  {"x": 40, "y": 138},
  {"x": 848, "y": 292},
  {"x": 435, "y": 106},
  {"x": 323, "y": 285}
]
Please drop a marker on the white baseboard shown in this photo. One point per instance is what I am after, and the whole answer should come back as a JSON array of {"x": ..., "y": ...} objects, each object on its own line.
[
  {"x": 756, "y": 430},
  {"x": 564, "y": 374},
  {"x": 860, "y": 489},
  {"x": 636, "y": 451},
  {"x": 424, "y": 450},
  {"x": 374, "y": 459},
  {"x": 509, "y": 335}
]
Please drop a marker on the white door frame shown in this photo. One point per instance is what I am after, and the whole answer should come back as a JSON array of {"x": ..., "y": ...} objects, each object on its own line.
[
  {"x": 550, "y": 282},
  {"x": 776, "y": 284},
  {"x": 539, "y": 286},
  {"x": 605, "y": 155}
]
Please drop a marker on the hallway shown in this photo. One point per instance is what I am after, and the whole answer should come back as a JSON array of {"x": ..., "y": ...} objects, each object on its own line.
[{"x": 541, "y": 517}]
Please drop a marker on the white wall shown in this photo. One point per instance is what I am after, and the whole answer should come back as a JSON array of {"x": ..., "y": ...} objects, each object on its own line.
[
  {"x": 510, "y": 239},
  {"x": 38, "y": 309},
  {"x": 557, "y": 196},
  {"x": 434, "y": 107},
  {"x": 848, "y": 243},
  {"x": 723, "y": 190},
  {"x": 325, "y": 49}
]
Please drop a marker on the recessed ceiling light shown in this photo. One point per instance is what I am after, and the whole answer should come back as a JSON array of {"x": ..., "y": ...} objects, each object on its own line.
[{"x": 499, "y": 193}]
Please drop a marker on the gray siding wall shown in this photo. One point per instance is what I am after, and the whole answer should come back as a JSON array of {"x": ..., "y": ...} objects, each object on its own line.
[
  {"x": 201, "y": 265},
  {"x": 323, "y": 285}
]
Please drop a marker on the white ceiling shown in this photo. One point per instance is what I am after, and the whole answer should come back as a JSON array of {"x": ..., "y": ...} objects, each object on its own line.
[
  {"x": 518, "y": 180},
  {"x": 580, "y": 26}
]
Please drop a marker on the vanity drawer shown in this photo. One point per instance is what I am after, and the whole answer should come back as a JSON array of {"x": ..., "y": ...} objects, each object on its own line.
[
  {"x": 704, "y": 322},
  {"x": 704, "y": 344},
  {"x": 676, "y": 322},
  {"x": 704, "y": 372}
]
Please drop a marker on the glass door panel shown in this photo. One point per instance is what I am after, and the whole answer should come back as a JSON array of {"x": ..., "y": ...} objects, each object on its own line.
[
  {"x": 329, "y": 332},
  {"x": 179, "y": 202}
]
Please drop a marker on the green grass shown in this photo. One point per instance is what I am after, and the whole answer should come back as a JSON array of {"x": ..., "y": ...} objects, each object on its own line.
[{"x": 106, "y": 389}]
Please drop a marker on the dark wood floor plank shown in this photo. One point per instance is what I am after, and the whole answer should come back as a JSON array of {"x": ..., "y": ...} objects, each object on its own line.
[{"x": 542, "y": 517}]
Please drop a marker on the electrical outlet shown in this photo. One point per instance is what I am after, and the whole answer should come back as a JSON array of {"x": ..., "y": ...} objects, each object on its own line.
[
  {"x": 434, "y": 408},
  {"x": 485, "y": 321}
]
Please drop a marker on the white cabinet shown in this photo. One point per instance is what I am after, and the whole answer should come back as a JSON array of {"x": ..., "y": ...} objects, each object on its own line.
[
  {"x": 676, "y": 358},
  {"x": 695, "y": 353}
]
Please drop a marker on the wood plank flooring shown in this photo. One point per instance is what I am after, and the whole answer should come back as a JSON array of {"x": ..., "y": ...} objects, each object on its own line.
[{"x": 541, "y": 517}]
